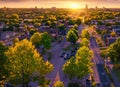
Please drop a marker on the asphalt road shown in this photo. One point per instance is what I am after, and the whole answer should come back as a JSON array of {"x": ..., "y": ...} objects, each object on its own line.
[
  {"x": 58, "y": 62},
  {"x": 102, "y": 76}
]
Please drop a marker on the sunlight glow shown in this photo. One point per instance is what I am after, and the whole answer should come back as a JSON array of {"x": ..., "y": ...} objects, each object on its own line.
[{"x": 74, "y": 6}]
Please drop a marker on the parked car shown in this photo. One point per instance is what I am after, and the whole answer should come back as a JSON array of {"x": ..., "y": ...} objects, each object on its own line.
[
  {"x": 66, "y": 56},
  {"x": 62, "y": 55}
]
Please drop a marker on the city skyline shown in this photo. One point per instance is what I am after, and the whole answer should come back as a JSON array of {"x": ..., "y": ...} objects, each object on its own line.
[{"x": 59, "y": 4}]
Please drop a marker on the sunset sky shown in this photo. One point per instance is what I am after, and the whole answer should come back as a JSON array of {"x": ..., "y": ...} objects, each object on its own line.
[{"x": 59, "y": 3}]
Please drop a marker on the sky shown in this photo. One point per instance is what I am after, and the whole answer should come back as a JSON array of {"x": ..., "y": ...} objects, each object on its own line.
[{"x": 59, "y": 3}]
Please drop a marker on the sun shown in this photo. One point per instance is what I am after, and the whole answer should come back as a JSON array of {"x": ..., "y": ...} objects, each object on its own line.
[{"x": 74, "y": 6}]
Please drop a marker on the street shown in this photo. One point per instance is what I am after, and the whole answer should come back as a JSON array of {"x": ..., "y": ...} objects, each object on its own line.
[
  {"x": 57, "y": 61},
  {"x": 102, "y": 77}
]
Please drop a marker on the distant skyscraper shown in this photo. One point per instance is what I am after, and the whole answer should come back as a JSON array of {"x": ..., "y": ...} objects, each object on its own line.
[
  {"x": 35, "y": 7},
  {"x": 96, "y": 7},
  {"x": 86, "y": 6}
]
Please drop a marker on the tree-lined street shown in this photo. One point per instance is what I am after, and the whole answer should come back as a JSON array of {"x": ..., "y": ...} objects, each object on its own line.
[{"x": 100, "y": 74}]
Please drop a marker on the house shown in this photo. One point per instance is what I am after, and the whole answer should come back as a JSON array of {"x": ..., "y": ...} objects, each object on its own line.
[
  {"x": 7, "y": 35},
  {"x": 2, "y": 25},
  {"x": 111, "y": 40},
  {"x": 116, "y": 29}
]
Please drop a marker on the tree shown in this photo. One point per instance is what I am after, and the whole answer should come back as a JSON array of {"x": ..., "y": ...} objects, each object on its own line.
[
  {"x": 71, "y": 22},
  {"x": 58, "y": 84},
  {"x": 69, "y": 68},
  {"x": 61, "y": 27},
  {"x": 114, "y": 51},
  {"x": 14, "y": 16},
  {"x": 72, "y": 35},
  {"x": 46, "y": 40},
  {"x": 75, "y": 31},
  {"x": 15, "y": 41},
  {"x": 85, "y": 34},
  {"x": 83, "y": 62},
  {"x": 32, "y": 31},
  {"x": 85, "y": 42},
  {"x": 36, "y": 39},
  {"x": 75, "y": 26},
  {"x": 3, "y": 62},
  {"x": 81, "y": 66},
  {"x": 23, "y": 61},
  {"x": 78, "y": 21},
  {"x": 113, "y": 34},
  {"x": 48, "y": 23}
]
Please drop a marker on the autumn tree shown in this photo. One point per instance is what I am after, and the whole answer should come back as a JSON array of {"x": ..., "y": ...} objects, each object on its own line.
[
  {"x": 24, "y": 61},
  {"x": 113, "y": 34},
  {"x": 58, "y": 84}
]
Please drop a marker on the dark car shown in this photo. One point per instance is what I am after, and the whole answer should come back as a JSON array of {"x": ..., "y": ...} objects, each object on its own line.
[{"x": 62, "y": 55}]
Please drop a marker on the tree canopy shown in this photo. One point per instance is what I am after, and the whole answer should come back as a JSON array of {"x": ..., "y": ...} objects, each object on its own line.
[
  {"x": 23, "y": 61},
  {"x": 81, "y": 66},
  {"x": 84, "y": 42},
  {"x": 3, "y": 61},
  {"x": 72, "y": 35},
  {"x": 85, "y": 34},
  {"x": 114, "y": 51},
  {"x": 58, "y": 84},
  {"x": 39, "y": 39}
]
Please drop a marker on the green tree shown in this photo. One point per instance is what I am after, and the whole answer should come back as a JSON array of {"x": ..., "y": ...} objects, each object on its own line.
[
  {"x": 3, "y": 62},
  {"x": 83, "y": 61},
  {"x": 69, "y": 68},
  {"x": 15, "y": 41},
  {"x": 78, "y": 21},
  {"x": 36, "y": 39},
  {"x": 75, "y": 26},
  {"x": 114, "y": 51},
  {"x": 75, "y": 31},
  {"x": 61, "y": 27},
  {"x": 23, "y": 61},
  {"x": 48, "y": 23},
  {"x": 81, "y": 66},
  {"x": 72, "y": 35},
  {"x": 84, "y": 42},
  {"x": 58, "y": 84},
  {"x": 14, "y": 16},
  {"x": 85, "y": 34},
  {"x": 46, "y": 40}
]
